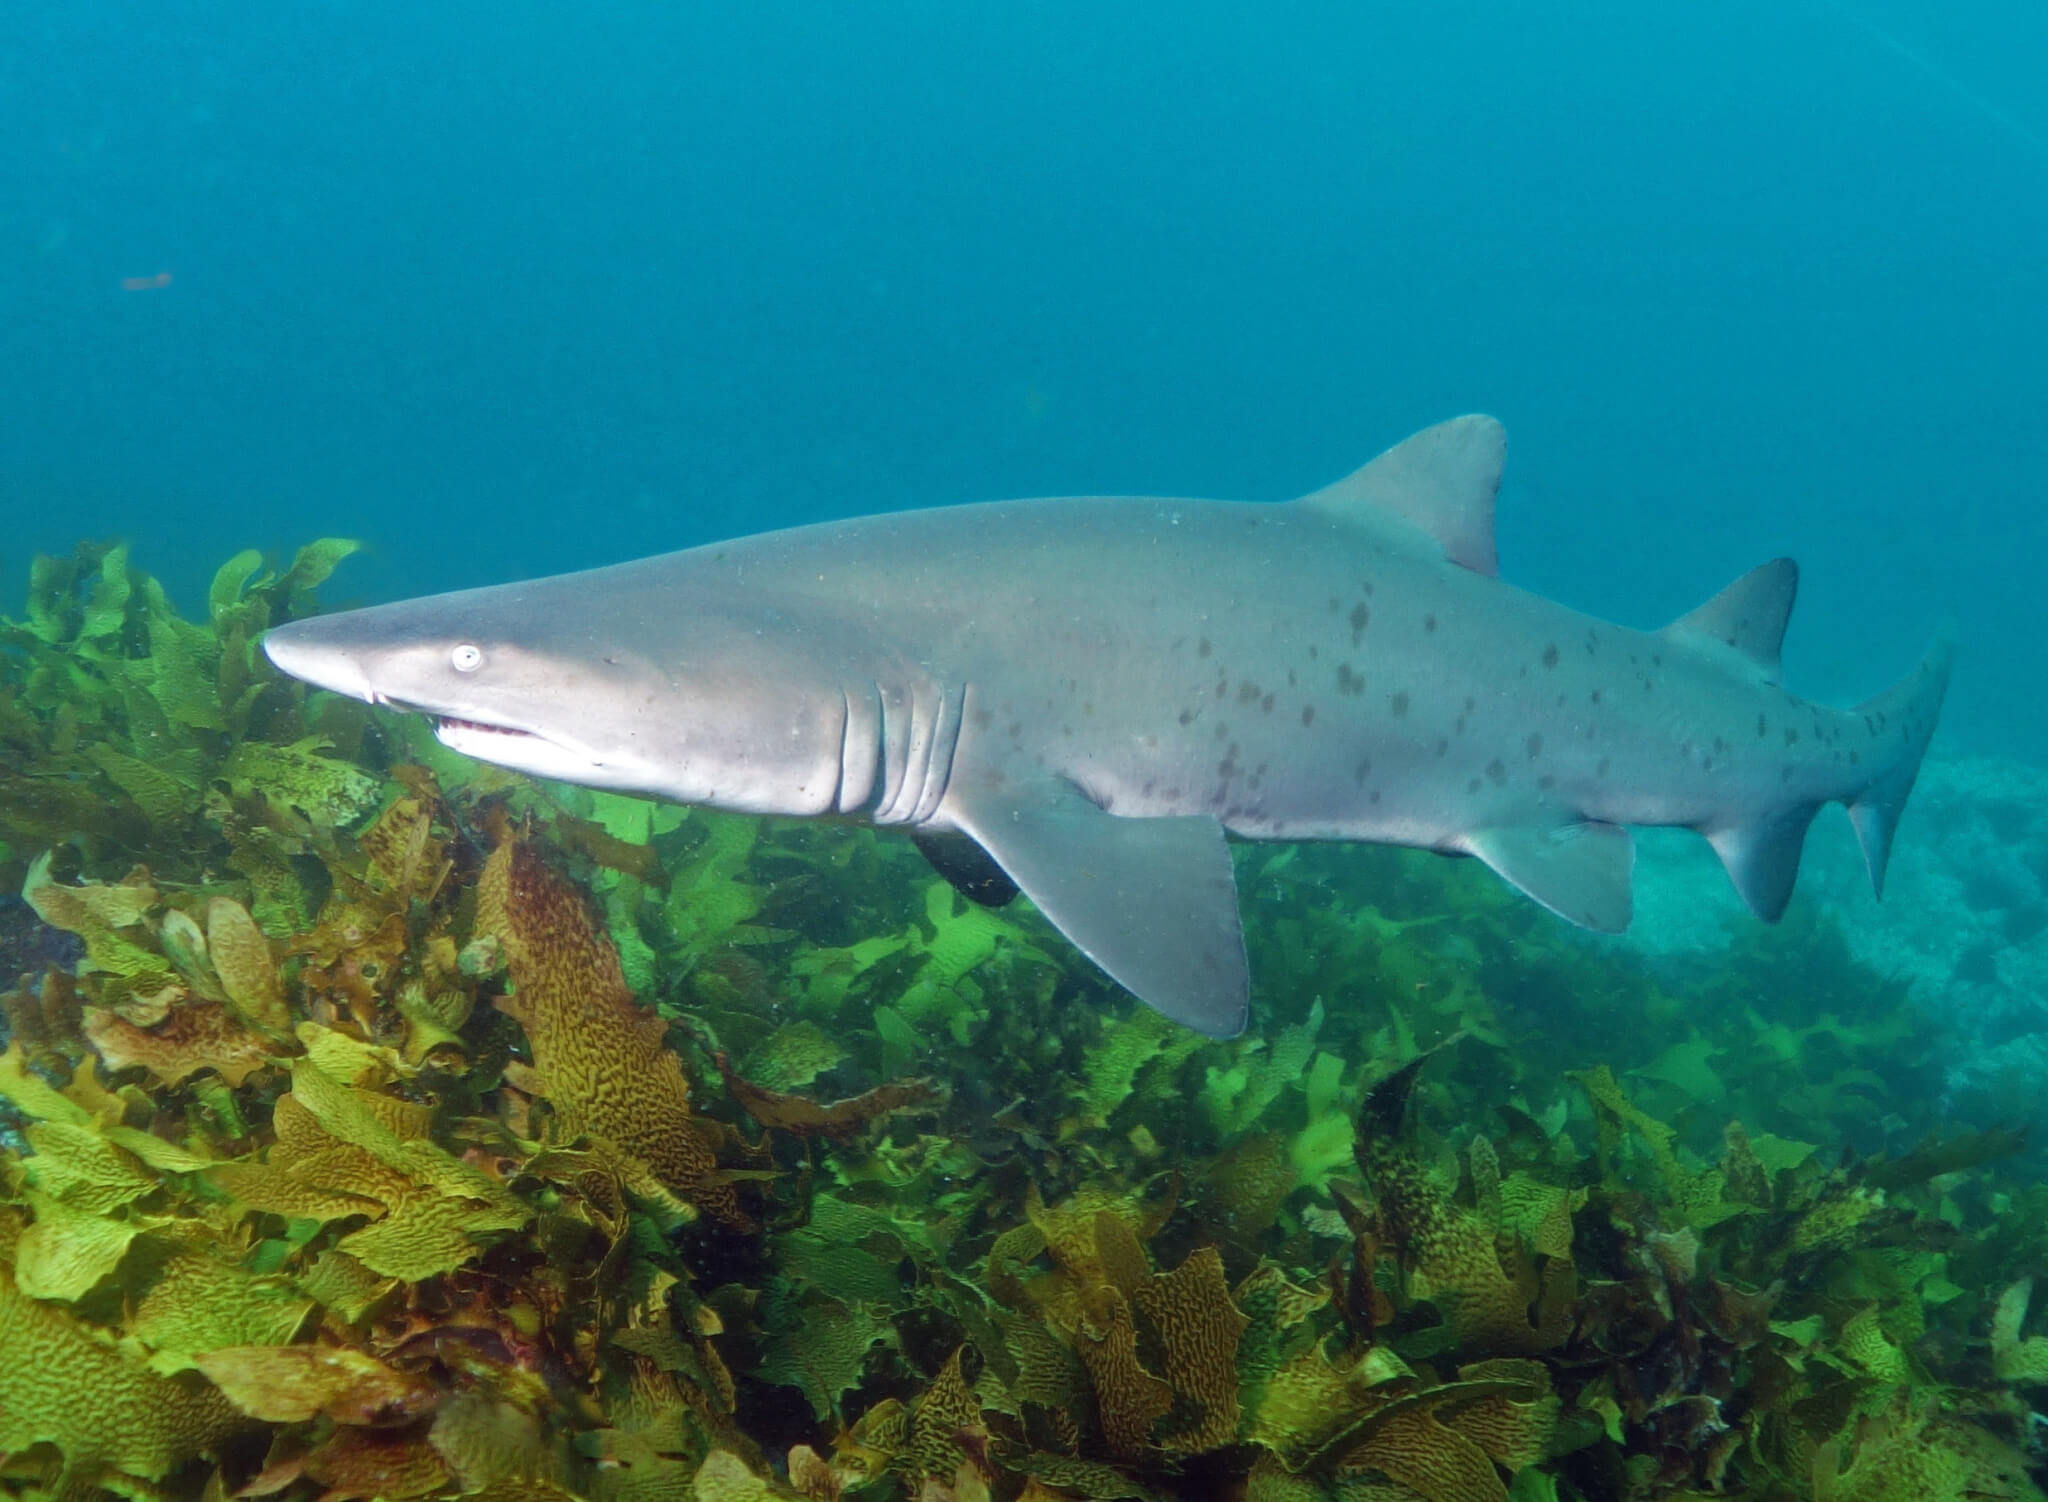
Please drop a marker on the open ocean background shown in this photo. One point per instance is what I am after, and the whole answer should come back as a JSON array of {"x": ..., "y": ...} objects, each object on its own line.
[
  {"x": 512, "y": 288},
  {"x": 373, "y": 1121}
]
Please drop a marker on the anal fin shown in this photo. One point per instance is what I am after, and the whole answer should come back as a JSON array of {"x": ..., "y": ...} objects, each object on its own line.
[
  {"x": 1762, "y": 857},
  {"x": 1151, "y": 901},
  {"x": 1583, "y": 872}
]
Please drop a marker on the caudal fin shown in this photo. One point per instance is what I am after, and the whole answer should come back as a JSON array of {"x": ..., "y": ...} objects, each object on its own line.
[{"x": 1901, "y": 719}]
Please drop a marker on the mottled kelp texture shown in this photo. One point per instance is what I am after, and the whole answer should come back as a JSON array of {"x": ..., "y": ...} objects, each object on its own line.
[{"x": 381, "y": 1125}]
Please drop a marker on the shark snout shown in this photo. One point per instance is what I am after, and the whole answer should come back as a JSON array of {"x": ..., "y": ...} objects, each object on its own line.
[{"x": 298, "y": 649}]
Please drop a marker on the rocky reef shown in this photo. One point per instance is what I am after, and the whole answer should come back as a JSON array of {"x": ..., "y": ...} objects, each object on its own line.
[{"x": 382, "y": 1125}]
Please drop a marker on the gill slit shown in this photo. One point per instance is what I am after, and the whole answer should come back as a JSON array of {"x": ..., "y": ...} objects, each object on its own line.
[
  {"x": 845, "y": 744},
  {"x": 919, "y": 728}
]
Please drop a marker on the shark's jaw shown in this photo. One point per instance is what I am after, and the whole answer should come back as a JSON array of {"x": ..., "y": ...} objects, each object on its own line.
[{"x": 522, "y": 750}]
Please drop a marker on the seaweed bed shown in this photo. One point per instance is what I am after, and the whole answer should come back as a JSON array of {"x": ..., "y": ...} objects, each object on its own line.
[{"x": 377, "y": 1124}]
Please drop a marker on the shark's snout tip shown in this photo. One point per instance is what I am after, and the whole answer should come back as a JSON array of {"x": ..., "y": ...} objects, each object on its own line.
[{"x": 292, "y": 651}]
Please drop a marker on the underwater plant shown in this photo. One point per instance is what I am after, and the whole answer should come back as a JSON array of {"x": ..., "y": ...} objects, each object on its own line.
[{"x": 374, "y": 1124}]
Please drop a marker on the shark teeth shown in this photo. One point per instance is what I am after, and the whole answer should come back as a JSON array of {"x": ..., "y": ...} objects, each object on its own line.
[{"x": 443, "y": 723}]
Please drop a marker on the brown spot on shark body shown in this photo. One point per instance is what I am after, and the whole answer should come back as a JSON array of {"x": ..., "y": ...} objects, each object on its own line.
[
  {"x": 1202, "y": 647},
  {"x": 1360, "y": 618},
  {"x": 1497, "y": 770},
  {"x": 1550, "y": 655},
  {"x": 1534, "y": 745},
  {"x": 1398, "y": 704},
  {"x": 1308, "y": 714},
  {"x": 1349, "y": 680}
]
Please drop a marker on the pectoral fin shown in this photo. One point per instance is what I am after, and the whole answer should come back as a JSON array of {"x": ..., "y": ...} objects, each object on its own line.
[
  {"x": 971, "y": 870},
  {"x": 1579, "y": 871},
  {"x": 1152, "y": 901}
]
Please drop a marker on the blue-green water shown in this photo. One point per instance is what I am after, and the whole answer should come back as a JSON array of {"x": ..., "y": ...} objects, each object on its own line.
[
  {"x": 504, "y": 289},
  {"x": 512, "y": 289}
]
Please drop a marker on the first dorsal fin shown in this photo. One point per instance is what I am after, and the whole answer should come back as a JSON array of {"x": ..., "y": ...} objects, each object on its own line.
[
  {"x": 1748, "y": 617},
  {"x": 1441, "y": 482}
]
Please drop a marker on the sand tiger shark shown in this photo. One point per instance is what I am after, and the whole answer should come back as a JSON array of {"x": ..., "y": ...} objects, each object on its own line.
[{"x": 1095, "y": 692}]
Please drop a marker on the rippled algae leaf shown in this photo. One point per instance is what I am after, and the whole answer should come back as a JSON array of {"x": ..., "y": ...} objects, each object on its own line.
[
  {"x": 1307, "y": 1406},
  {"x": 819, "y": 1347},
  {"x": 792, "y": 1056},
  {"x": 285, "y": 1384},
  {"x": 194, "y": 1037},
  {"x": 1236, "y": 1096},
  {"x": 723, "y": 1477},
  {"x": 75, "y": 1163},
  {"x": 343, "y": 1152},
  {"x": 965, "y": 938},
  {"x": 241, "y": 958},
  {"x": 65, "y": 1253},
  {"x": 945, "y": 1417},
  {"x": 1501, "y": 1286},
  {"x": 1140, "y": 1043},
  {"x": 1105, "y": 1302},
  {"x": 708, "y": 902},
  {"x": 102, "y": 1408},
  {"x": 326, "y": 789},
  {"x": 1913, "y": 1452},
  {"x": 1444, "y": 1442},
  {"x": 195, "y": 1299},
  {"x": 600, "y": 1060},
  {"x": 1200, "y": 1328},
  {"x": 108, "y": 916}
]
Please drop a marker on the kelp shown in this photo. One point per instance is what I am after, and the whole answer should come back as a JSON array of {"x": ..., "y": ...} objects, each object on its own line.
[{"x": 377, "y": 1124}]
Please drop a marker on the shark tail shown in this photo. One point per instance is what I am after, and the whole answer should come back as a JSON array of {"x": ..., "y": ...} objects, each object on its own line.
[{"x": 1905, "y": 714}]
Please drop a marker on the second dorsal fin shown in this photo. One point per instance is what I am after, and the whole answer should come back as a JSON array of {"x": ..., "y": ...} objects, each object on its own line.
[
  {"x": 1747, "y": 618},
  {"x": 1441, "y": 482}
]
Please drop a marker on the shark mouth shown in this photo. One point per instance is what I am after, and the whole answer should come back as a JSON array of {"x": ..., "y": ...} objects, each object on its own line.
[
  {"x": 444, "y": 724},
  {"x": 521, "y": 750}
]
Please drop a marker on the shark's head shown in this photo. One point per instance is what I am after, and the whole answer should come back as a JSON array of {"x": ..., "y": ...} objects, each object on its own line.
[{"x": 586, "y": 679}]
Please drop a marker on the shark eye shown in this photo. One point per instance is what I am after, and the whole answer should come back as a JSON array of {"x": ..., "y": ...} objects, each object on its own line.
[{"x": 466, "y": 658}]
